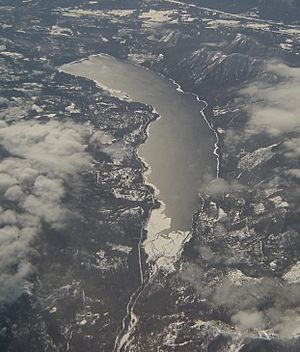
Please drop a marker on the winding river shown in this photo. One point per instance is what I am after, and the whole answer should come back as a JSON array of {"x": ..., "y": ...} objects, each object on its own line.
[{"x": 178, "y": 151}]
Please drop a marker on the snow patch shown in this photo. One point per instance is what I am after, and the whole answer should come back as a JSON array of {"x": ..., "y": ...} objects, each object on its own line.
[{"x": 293, "y": 275}]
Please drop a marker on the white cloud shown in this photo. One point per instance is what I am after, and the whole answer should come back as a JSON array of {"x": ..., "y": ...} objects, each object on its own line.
[
  {"x": 109, "y": 145},
  {"x": 32, "y": 188},
  {"x": 275, "y": 108},
  {"x": 219, "y": 186},
  {"x": 100, "y": 137},
  {"x": 56, "y": 147},
  {"x": 6, "y": 181},
  {"x": 246, "y": 301},
  {"x": 293, "y": 173},
  {"x": 292, "y": 148},
  {"x": 249, "y": 320},
  {"x": 14, "y": 194},
  {"x": 8, "y": 217}
]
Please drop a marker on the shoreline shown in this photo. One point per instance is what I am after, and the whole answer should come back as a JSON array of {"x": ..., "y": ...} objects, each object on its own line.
[{"x": 130, "y": 320}]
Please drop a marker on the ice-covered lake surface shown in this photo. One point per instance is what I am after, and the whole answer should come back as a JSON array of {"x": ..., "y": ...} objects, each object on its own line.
[{"x": 179, "y": 148}]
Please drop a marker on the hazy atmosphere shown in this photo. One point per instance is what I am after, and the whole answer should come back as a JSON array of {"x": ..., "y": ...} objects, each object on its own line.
[{"x": 149, "y": 176}]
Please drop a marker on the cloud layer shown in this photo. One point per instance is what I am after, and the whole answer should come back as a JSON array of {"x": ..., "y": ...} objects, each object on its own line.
[
  {"x": 220, "y": 187},
  {"x": 276, "y": 108},
  {"x": 266, "y": 303},
  {"x": 43, "y": 157}
]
